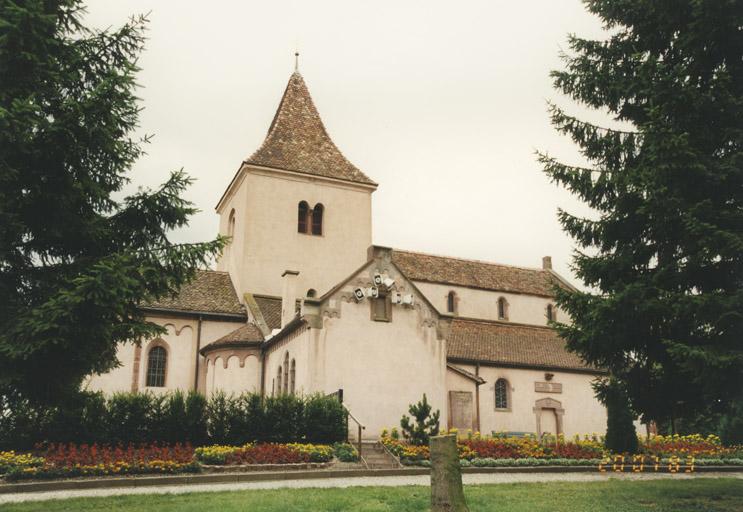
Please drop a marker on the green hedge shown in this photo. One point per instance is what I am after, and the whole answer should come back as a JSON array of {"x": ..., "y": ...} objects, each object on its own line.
[{"x": 125, "y": 418}]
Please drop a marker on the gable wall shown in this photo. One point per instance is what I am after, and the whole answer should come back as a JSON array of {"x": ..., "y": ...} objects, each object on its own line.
[{"x": 382, "y": 367}]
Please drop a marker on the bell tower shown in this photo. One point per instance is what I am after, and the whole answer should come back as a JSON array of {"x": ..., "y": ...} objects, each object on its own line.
[{"x": 296, "y": 203}]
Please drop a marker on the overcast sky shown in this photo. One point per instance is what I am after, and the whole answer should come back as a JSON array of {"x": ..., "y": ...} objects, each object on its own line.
[{"x": 441, "y": 103}]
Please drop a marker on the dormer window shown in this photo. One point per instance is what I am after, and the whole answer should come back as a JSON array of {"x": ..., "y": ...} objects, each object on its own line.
[{"x": 317, "y": 213}]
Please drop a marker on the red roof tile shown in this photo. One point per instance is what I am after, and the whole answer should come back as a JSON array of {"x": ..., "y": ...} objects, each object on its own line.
[
  {"x": 297, "y": 140},
  {"x": 474, "y": 274},
  {"x": 509, "y": 344}
]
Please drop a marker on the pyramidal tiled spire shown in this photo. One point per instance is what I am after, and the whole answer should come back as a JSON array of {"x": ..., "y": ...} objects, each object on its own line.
[{"x": 297, "y": 140}]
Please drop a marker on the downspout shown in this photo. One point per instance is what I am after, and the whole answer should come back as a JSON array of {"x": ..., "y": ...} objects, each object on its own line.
[
  {"x": 477, "y": 395},
  {"x": 263, "y": 372},
  {"x": 198, "y": 347}
]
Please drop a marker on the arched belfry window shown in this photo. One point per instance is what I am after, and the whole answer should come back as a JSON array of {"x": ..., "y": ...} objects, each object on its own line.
[
  {"x": 311, "y": 293},
  {"x": 550, "y": 313},
  {"x": 303, "y": 214},
  {"x": 502, "y": 309},
  {"x": 451, "y": 302},
  {"x": 286, "y": 372},
  {"x": 293, "y": 377},
  {"x": 501, "y": 394},
  {"x": 157, "y": 360},
  {"x": 317, "y": 214}
]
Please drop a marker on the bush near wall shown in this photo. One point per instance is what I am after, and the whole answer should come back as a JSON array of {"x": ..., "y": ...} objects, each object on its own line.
[{"x": 166, "y": 419}]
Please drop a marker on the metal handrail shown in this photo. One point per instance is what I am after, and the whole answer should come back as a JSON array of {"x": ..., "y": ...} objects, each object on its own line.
[{"x": 360, "y": 426}]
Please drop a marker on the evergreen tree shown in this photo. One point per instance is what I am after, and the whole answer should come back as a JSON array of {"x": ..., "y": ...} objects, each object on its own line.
[
  {"x": 76, "y": 259},
  {"x": 663, "y": 255},
  {"x": 426, "y": 423},
  {"x": 621, "y": 436}
]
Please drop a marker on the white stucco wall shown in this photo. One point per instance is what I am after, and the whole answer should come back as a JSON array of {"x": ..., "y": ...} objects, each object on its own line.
[
  {"x": 476, "y": 303},
  {"x": 119, "y": 379},
  {"x": 297, "y": 347},
  {"x": 583, "y": 413},
  {"x": 266, "y": 241},
  {"x": 382, "y": 367},
  {"x": 180, "y": 343}
]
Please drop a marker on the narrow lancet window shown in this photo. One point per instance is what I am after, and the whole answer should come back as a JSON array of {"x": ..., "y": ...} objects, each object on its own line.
[
  {"x": 303, "y": 217},
  {"x": 317, "y": 215}
]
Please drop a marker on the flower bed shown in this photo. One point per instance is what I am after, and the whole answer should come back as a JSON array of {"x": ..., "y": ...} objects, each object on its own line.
[
  {"x": 691, "y": 445},
  {"x": 264, "y": 453},
  {"x": 502, "y": 447},
  {"x": 502, "y": 451},
  {"x": 69, "y": 460}
]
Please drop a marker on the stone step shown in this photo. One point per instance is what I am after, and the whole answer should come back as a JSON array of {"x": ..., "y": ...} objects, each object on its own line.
[
  {"x": 385, "y": 465},
  {"x": 380, "y": 456}
]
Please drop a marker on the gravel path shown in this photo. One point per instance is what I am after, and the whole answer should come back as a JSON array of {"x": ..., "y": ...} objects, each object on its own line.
[{"x": 490, "y": 478}]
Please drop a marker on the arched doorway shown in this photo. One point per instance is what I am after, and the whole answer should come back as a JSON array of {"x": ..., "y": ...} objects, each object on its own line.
[{"x": 548, "y": 412}]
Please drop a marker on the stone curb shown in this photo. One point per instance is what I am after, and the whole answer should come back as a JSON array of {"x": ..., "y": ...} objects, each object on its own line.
[{"x": 219, "y": 478}]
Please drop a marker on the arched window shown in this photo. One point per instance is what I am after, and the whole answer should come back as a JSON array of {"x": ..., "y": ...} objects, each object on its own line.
[
  {"x": 501, "y": 394},
  {"x": 286, "y": 372},
  {"x": 502, "y": 309},
  {"x": 231, "y": 224},
  {"x": 317, "y": 213},
  {"x": 303, "y": 214},
  {"x": 311, "y": 293},
  {"x": 451, "y": 302},
  {"x": 157, "y": 360},
  {"x": 550, "y": 313},
  {"x": 293, "y": 377},
  {"x": 278, "y": 381}
]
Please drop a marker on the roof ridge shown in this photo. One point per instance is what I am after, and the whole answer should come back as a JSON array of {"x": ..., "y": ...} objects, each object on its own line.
[
  {"x": 263, "y": 296},
  {"x": 470, "y": 260},
  {"x": 502, "y": 323}
]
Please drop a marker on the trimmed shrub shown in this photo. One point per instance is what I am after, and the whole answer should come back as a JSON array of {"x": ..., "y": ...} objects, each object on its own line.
[
  {"x": 195, "y": 422},
  {"x": 284, "y": 415},
  {"x": 170, "y": 418},
  {"x": 325, "y": 420}
]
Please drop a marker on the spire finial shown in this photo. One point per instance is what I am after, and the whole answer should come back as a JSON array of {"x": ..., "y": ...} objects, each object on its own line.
[{"x": 296, "y": 61}]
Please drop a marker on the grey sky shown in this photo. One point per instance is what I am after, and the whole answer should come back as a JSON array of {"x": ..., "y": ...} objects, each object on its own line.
[{"x": 441, "y": 103}]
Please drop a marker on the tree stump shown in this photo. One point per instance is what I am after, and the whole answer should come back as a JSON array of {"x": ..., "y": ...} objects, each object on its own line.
[{"x": 447, "y": 494}]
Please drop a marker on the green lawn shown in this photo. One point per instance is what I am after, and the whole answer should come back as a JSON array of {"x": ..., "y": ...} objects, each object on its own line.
[{"x": 615, "y": 496}]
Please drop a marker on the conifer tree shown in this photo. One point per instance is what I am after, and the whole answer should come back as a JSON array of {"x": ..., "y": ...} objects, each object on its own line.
[
  {"x": 77, "y": 258},
  {"x": 662, "y": 258},
  {"x": 426, "y": 423}
]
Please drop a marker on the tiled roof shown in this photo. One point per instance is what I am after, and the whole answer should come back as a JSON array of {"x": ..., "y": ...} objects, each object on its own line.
[
  {"x": 474, "y": 274},
  {"x": 466, "y": 373},
  {"x": 248, "y": 332},
  {"x": 516, "y": 345},
  {"x": 271, "y": 309},
  {"x": 297, "y": 140},
  {"x": 209, "y": 292}
]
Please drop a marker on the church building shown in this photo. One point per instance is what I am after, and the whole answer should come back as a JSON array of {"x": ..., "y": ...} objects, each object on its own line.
[{"x": 303, "y": 302}]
